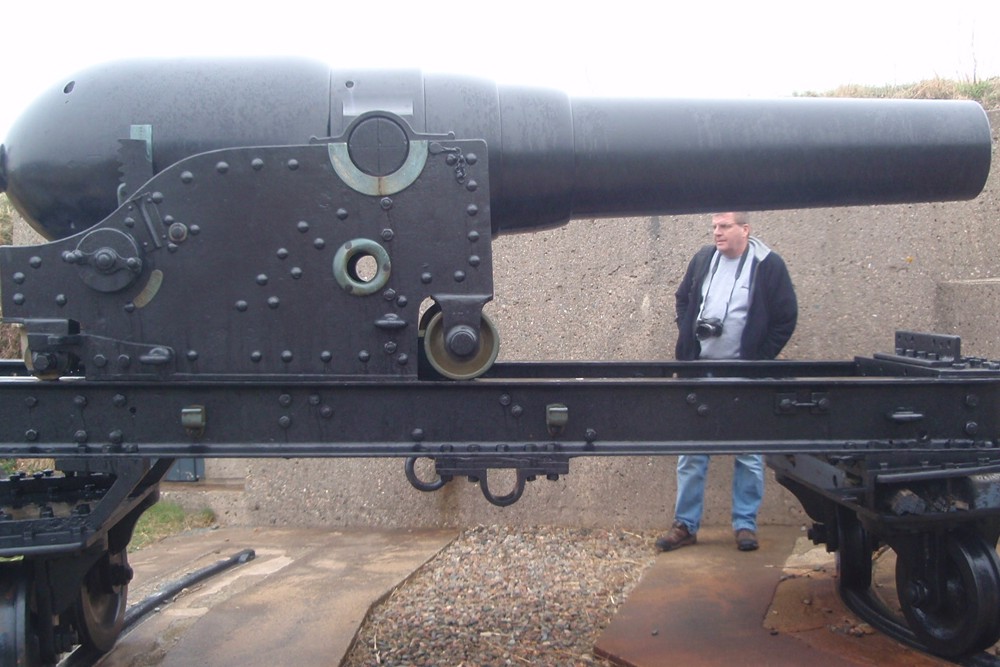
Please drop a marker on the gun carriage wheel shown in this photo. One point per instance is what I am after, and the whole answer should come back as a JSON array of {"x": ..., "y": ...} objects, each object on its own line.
[
  {"x": 28, "y": 639},
  {"x": 947, "y": 571},
  {"x": 18, "y": 645},
  {"x": 948, "y": 587},
  {"x": 949, "y": 591},
  {"x": 854, "y": 556},
  {"x": 100, "y": 609}
]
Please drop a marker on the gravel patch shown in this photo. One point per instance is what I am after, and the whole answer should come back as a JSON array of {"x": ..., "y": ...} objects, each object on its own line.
[{"x": 507, "y": 596}]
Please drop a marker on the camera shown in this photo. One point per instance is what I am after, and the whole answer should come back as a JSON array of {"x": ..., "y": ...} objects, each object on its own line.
[{"x": 708, "y": 327}]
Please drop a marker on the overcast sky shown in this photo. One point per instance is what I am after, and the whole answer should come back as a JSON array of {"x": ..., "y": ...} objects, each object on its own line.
[{"x": 617, "y": 48}]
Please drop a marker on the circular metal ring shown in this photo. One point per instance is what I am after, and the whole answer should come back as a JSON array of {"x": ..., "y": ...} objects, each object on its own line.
[
  {"x": 100, "y": 607},
  {"x": 107, "y": 260},
  {"x": 952, "y": 605},
  {"x": 20, "y": 644},
  {"x": 346, "y": 267}
]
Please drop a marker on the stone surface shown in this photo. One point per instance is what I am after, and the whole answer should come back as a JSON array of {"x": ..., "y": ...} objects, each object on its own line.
[
  {"x": 712, "y": 605},
  {"x": 299, "y": 602}
]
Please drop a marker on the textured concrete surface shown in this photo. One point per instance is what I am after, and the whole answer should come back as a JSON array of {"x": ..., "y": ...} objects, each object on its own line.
[
  {"x": 603, "y": 289},
  {"x": 299, "y": 602}
]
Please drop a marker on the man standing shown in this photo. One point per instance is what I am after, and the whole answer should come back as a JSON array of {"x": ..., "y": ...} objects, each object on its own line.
[{"x": 736, "y": 302}]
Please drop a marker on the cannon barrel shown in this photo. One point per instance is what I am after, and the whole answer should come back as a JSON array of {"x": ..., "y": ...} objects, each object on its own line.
[{"x": 551, "y": 157}]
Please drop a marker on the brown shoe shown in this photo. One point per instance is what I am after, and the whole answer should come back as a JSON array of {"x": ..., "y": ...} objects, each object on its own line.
[
  {"x": 746, "y": 540},
  {"x": 678, "y": 536}
]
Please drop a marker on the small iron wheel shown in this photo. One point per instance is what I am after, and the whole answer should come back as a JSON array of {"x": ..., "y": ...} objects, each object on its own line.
[
  {"x": 100, "y": 609},
  {"x": 952, "y": 607},
  {"x": 458, "y": 368},
  {"x": 854, "y": 555},
  {"x": 18, "y": 643}
]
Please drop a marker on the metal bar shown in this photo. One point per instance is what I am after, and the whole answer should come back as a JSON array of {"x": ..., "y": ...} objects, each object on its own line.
[
  {"x": 672, "y": 369},
  {"x": 597, "y": 417}
]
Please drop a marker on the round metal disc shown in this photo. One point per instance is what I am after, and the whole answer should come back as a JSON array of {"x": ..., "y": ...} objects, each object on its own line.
[
  {"x": 18, "y": 644},
  {"x": 854, "y": 555},
  {"x": 100, "y": 609},
  {"x": 456, "y": 368},
  {"x": 954, "y": 615}
]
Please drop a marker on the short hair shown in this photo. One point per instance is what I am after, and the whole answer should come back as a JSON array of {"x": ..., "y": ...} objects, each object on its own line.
[{"x": 741, "y": 218}]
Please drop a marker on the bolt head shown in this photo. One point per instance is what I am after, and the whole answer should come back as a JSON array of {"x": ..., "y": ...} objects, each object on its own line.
[{"x": 462, "y": 341}]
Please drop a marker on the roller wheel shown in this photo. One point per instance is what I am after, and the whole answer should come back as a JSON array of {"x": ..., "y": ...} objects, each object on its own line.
[
  {"x": 854, "y": 555},
  {"x": 952, "y": 601},
  {"x": 460, "y": 368},
  {"x": 18, "y": 643},
  {"x": 100, "y": 609}
]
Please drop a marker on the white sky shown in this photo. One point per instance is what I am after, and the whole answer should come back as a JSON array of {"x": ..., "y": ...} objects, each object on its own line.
[{"x": 616, "y": 48}]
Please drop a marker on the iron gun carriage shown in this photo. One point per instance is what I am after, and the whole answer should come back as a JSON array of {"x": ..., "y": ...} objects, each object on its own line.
[{"x": 271, "y": 259}]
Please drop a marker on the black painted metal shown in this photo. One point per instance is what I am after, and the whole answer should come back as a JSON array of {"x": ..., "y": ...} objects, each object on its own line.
[
  {"x": 83, "y": 503},
  {"x": 244, "y": 251},
  {"x": 553, "y": 157},
  {"x": 71, "y": 528},
  {"x": 858, "y": 416},
  {"x": 18, "y": 645},
  {"x": 278, "y": 274}
]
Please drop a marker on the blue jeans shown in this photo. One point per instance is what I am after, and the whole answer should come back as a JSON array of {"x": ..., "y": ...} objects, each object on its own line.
[{"x": 748, "y": 490}]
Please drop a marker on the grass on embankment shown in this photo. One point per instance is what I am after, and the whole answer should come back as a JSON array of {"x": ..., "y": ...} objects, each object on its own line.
[{"x": 165, "y": 519}]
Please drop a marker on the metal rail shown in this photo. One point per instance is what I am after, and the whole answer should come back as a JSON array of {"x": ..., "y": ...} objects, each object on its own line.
[{"x": 655, "y": 410}]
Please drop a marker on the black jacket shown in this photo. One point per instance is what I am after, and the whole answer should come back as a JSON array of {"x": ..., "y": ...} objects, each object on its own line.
[{"x": 772, "y": 313}]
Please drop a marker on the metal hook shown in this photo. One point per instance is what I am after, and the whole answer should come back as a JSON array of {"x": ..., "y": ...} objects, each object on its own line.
[
  {"x": 419, "y": 484},
  {"x": 503, "y": 501}
]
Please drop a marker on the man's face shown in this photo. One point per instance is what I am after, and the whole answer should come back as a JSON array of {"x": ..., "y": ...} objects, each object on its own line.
[{"x": 730, "y": 238}]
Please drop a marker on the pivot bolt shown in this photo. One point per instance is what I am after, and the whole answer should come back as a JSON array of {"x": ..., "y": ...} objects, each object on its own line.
[
  {"x": 43, "y": 361},
  {"x": 462, "y": 340},
  {"x": 105, "y": 259}
]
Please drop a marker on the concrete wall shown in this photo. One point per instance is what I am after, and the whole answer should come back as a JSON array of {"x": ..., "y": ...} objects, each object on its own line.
[{"x": 604, "y": 290}]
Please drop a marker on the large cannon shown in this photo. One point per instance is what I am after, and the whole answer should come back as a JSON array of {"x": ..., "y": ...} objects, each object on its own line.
[
  {"x": 551, "y": 158},
  {"x": 402, "y": 180},
  {"x": 269, "y": 258}
]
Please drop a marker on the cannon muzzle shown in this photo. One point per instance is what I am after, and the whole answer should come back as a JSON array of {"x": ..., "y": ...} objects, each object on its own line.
[{"x": 551, "y": 157}]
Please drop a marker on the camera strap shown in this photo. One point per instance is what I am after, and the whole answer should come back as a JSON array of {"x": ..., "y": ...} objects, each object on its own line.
[{"x": 711, "y": 276}]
